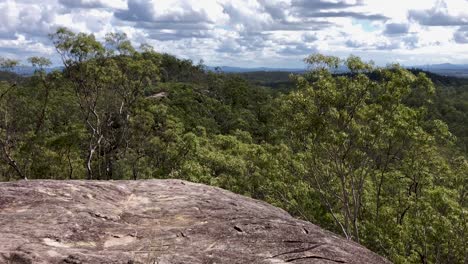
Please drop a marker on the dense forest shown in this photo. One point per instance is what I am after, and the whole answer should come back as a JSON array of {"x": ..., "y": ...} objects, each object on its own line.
[{"x": 377, "y": 154}]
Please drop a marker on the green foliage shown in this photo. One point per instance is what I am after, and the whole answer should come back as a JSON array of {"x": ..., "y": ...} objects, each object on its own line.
[
  {"x": 374, "y": 159},
  {"x": 39, "y": 62},
  {"x": 6, "y": 64},
  {"x": 322, "y": 62},
  {"x": 366, "y": 154}
]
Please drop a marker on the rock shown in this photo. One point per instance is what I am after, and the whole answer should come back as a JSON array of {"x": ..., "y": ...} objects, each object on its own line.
[
  {"x": 158, "y": 95},
  {"x": 156, "y": 221}
]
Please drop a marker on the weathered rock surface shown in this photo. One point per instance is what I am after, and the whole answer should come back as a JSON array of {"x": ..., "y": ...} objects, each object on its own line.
[{"x": 156, "y": 221}]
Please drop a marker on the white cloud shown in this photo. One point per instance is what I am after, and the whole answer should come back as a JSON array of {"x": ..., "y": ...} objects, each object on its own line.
[{"x": 251, "y": 32}]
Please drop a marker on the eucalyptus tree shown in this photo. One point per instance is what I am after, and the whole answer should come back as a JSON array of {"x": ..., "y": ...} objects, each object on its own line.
[
  {"x": 108, "y": 79},
  {"x": 373, "y": 159},
  {"x": 40, "y": 63},
  {"x": 10, "y": 131}
]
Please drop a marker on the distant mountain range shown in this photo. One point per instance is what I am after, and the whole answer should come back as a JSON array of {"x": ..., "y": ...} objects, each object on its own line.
[
  {"x": 443, "y": 66},
  {"x": 459, "y": 70},
  {"x": 29, "y": 70},
  {"x": 230, "y": 69}
]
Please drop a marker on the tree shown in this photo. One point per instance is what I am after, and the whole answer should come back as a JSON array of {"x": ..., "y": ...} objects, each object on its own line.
[
  {"x": 373, "y": 158},
  {"x": 9, "y": 131},
  {"x": 40, "y": 63},
  {"x": 109, "y": 80}
]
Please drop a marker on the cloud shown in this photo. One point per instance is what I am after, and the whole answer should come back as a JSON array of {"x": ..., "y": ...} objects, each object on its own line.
[
  {"x": 396, "y": 29},
  {"x": 411, "y": 42},
  {"x": 229, "y": 46},
  {"x": 461, "y": 35},
  {"x": 353, "y": 44},
  {"x": 340, "y": 9},
  {"x": 255, "y": 42},
  {"x": 380, "y": 45},
  {"x": 249, "y": 32},
  {"x": 83, "y": 3},
  {"x": 276, "y": 9},
  {"x": 152, "y": 11},
  {"x": 355, "y": 15},
  {"x": 388, "y": 45},
  {"x": 33, "y": 21},
  {"x": 21, "y": 48},
  {"x": 321, "y": 4},
  {"x": 169, "y": 20},
  {"x": 253, "y": 16},
  {"x": 248, "y": 17},
  {"x": 309, "y": 37},
  {"x": 166, "y": 35},
  {"x": 437, "y": 16},
  {"x": 297, "y": 50}
]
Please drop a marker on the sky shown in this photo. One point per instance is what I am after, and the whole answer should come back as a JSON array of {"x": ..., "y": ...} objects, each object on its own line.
[{"x": 250, "y": 33}]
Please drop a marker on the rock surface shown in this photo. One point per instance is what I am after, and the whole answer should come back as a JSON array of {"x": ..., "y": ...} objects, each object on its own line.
[{"x": 156, "y": 221}]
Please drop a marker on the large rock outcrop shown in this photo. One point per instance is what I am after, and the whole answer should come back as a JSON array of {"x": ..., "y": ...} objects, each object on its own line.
[{"x": 156, "y": 221}]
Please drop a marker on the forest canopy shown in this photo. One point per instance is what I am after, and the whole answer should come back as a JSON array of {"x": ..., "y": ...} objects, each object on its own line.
[{"x": 377, "y": 154}]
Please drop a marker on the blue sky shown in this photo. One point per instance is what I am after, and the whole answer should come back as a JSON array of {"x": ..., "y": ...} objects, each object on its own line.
[{"x": 251, "y": 33}]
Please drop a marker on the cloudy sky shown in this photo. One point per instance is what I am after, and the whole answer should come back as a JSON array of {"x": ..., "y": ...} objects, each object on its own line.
[{"x": 251, "y": 33}]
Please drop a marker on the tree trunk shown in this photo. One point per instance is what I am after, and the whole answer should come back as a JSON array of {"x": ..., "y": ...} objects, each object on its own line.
[
  {"x": 70, "y": 166},
  {"x": 12, "y": 163},
  {"x": 109, "y": 168}
]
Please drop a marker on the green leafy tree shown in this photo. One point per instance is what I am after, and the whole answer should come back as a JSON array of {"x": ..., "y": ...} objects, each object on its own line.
[
  {"x": 10, "y": 131},
  {"x": 108, "y": 80},
  {"x": 372, "y": 158}
]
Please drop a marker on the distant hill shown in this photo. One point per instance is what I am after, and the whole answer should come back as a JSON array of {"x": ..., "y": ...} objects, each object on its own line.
[
  {"x": 448, "y": 69},
  {"x": 280, "y": 79},
  {"x": 29, "y": 70},
  {"x": 8, "y": 76},
  {"x": 273, "y": 79},
  {"x": 444, "y": 79},
  {"x": 229, "y": 69},
  {"x": 444, "y": 66}
]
